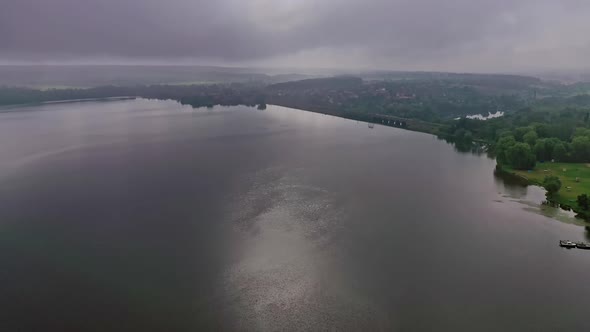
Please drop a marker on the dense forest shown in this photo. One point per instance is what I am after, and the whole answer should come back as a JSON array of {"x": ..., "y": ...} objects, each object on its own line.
[{"x": 556, "y": 129}]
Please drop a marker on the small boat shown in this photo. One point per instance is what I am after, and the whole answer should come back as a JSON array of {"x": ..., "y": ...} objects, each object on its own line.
[
  {"x": 583, "y": 245},
  {"x": 371, "y": 125},
  {"x": 567, "y": 244}
]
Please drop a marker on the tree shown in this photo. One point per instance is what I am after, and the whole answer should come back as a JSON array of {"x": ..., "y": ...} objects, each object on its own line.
[
  {"x": 559, "y": 152},
  {"x": 520, "y": 132},
  {"x": 584, "y": 201},
  {"x": 581, "y": 148},
  {"x": 520, "y": 156},
  {"x": 530, "y": 138},
  {"x": 540, "y": 150},
  {"x": 542, "y": 129},
  {"x": 552, "y": 184},
  {"x": 502, "y": 146},
  {"x": 549, "y": 146},
  {"x": 580, "y": 131}
]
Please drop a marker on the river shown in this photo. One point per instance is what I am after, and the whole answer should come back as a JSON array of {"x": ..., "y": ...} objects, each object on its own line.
[{"x": 151, "y": 216}]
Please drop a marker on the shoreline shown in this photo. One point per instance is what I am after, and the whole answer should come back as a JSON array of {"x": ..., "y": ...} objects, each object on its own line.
[
  {"x": 560, "y": 202},
  {"x": 87, "y": 99},
  {"x": 413, "y": 124},
  {"x": 65, "y": 101}
]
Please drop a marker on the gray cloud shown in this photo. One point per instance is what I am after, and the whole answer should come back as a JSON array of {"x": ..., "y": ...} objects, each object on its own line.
[{"x": 400, "y": 34}]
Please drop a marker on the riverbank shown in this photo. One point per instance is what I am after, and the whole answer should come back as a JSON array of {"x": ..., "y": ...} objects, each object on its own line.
[
  {"x": 575, "y": 181},
  {"x": 408, "y": 123},
  {"x": 65, "y": 101}
]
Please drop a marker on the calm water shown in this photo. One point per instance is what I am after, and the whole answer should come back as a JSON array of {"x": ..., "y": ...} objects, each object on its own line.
[{"x": 149, "y": 216}]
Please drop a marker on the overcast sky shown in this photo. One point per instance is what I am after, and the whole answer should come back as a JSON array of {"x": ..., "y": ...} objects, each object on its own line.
[{"x": 456, "y": 35}]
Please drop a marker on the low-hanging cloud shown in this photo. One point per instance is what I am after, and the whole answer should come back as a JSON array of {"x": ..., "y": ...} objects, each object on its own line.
[{"x": 398, "y": 34}]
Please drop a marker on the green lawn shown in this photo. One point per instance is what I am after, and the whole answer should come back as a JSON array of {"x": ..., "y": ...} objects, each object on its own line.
[{"x": 567, "y": 173}]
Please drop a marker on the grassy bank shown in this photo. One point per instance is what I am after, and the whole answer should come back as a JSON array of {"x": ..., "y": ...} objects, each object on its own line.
[{"x": 567, "y": 173}]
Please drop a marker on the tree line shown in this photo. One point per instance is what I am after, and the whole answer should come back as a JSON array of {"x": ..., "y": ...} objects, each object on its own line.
[{"x": 530, "y": 135}]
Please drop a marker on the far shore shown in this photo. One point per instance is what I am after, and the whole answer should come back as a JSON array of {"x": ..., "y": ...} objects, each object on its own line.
[{"x": 65, "y": 101}]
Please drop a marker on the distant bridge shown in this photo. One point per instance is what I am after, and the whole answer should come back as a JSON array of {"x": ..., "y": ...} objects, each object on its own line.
[{"x": 411, "y": 124}]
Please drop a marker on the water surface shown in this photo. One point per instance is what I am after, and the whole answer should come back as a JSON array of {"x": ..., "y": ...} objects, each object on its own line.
[{"x": 147, "y": 215}]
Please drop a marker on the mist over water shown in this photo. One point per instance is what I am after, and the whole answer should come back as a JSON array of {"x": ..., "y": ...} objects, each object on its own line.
[{"x": 148, "y": 215}]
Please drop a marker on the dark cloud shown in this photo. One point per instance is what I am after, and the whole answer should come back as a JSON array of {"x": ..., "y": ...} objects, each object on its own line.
[{"x": 416, "y": 34}]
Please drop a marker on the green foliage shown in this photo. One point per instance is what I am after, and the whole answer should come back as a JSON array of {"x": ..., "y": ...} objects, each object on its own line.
[
  {"x": 581, "y": 149},
  {"x": 544, "y": 149},
  {"x": 573, "y": 176},
  {"x": 530, "y": 138},
  {"x": 554, "y": 129},
  {"x": 559, "y": 152},
  {"x": 540, "y": 150},
  {"x": 520, "y": 132},
  {"x": 583, "y": 201},
  {"x": 501, "y": 148},
  {"x": 552, "y": 184},
  {"x": 463, "y": 135},
  {"x": 520, "y": 156},
  {"x": 542, "y": 129},
  {"x": 580, "y": 131}
]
